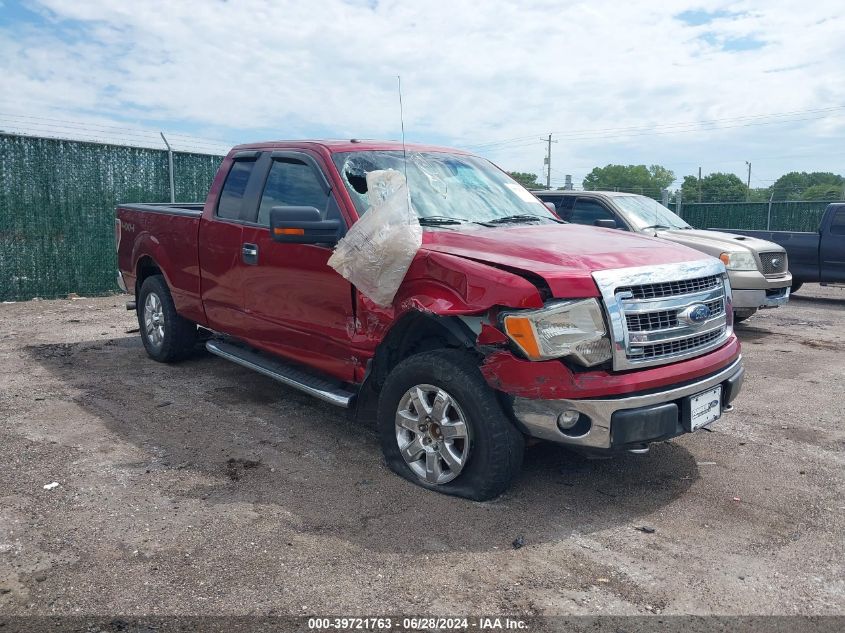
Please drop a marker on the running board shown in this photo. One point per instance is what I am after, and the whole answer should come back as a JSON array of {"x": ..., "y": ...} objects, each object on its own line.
[{"x": 325, "y": 389}]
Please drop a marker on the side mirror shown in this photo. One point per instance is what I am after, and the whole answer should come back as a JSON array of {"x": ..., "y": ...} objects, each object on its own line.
[
  {"x": 302, "y": 225},
  {"x": 551, "y": 207},
  {"x": 605, "y": 224}
]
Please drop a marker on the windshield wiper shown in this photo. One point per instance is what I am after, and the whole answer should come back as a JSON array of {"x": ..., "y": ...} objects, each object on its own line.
[
  {"x": 439, "y": 220},
  {"x": 657, "y": 226},
  {"x": 516, "y": 219}
]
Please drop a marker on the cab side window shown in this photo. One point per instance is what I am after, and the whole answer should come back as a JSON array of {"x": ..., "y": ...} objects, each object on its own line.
[
  {"x": 837, "y": 225},
  {"x": 564, "y": 205},
  {"x": 230, "y": 204},
  {"x": 587, "y": 211},
  {"x": 292, "y": 183}
]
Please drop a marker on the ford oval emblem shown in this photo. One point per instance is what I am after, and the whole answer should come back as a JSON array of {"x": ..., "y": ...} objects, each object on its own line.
[{"x": 696, "y": 314}]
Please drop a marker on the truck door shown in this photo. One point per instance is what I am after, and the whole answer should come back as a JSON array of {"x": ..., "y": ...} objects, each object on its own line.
[
  {"x": 221, "y": 246},
  {"x": 832, "y": 248},
  {"x": 297, "y": 306}
]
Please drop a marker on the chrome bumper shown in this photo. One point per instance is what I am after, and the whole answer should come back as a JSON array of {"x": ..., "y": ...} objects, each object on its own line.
[
  {"x": 120, "y": 283},
  {"x": 538, "y": 418},
  {"x": 753, "y": 299}
]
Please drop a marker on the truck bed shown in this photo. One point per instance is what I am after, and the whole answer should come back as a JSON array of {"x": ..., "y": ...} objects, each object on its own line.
[
  {"x": 175, "y": 208},
  {"x": 168, "y": 235}
]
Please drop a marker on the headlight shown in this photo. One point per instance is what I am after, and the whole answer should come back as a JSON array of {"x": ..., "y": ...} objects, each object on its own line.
[
  {"x": 738, "y": 261},
  {"x": 564, "y": 328}
]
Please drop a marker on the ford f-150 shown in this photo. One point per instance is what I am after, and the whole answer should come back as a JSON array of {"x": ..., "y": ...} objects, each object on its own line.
[
  {"x": 757, "y": 269},
  {"x": 509, "y": 324},
  {"x": 814, "y": 256}
]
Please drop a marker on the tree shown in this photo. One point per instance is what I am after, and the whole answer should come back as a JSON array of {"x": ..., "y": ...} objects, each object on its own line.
[
  {"x": 648, "y": 181},
  {"x": 823, "y": 192},
  {"x": 527, "y": 180},
  {"x": 793, "y": 186},
  {"x": 715, "y": 187}
]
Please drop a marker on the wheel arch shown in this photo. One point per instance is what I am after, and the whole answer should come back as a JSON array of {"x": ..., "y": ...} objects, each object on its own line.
[
  {"x": 146, "y": 267},
  {"x": 414, "y": 332}
]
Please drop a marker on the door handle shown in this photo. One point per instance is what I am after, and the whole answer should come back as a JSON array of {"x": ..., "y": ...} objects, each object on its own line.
[{"x": 249, "y": 253}]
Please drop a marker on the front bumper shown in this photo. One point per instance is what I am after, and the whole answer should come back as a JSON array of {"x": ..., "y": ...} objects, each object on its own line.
[
  {"x": 752, "y": 290},
  {"x": 754, "y": 299},
  {"x": 626, "y": 422}
]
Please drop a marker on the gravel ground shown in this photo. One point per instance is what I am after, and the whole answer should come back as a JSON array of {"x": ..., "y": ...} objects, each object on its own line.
[{"x": 203, "y": 488}]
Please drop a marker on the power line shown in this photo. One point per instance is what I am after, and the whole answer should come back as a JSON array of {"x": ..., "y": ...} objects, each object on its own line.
[{"x": 748, "y": 121}]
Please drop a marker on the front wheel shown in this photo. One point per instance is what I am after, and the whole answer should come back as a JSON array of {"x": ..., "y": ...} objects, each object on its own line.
[
  {"x": 796, "y": 286},
  {"x": 442, "y": 427},
  {"x": 739, "y": 317}
]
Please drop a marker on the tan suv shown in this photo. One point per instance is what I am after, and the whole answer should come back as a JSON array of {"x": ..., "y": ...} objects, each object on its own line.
[{"x": 758, "y": 270}]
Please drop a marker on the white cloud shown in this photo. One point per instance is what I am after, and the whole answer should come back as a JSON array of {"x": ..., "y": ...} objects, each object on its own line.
[{"x": 471, "y": 73}]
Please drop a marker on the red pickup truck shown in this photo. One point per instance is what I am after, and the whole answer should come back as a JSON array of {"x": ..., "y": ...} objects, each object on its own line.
[{"x": 509, "y": 324}]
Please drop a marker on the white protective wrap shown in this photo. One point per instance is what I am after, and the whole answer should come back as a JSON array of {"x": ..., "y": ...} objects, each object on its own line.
[{"x": 376, "y": 252}]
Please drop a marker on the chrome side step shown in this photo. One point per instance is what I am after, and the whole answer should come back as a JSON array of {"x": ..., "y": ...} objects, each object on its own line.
[{"x": 325, "y": 389}]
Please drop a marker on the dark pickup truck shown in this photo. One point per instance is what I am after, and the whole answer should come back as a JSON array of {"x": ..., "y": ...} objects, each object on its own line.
[
  {"x": 814, "y": 257},
  {"x": 508, "y": 323}
]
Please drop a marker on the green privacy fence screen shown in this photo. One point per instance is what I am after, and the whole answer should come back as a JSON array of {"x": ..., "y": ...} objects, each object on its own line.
[
  {"x": 785, "y": 216},
  {"x": 57, "y": 201}
]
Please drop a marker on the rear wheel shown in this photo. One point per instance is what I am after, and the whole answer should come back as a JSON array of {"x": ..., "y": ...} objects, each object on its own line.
[
  {"x": 167, "y": 337},
  {"x": 442, "y": 427}
]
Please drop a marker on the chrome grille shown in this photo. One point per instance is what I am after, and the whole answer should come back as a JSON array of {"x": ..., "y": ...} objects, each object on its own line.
[
  {"x": 676, "y": 347},
  {"x": 662, "y": 319},
  {"x": 773, "y": 263},
  {"x": 657, "y": 316},
  {"x": 671, "y": 288},
  {"x": 652, "y": 320}
]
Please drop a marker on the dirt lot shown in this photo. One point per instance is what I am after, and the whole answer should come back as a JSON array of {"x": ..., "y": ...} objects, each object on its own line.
[{"x": 204, "y": 488}]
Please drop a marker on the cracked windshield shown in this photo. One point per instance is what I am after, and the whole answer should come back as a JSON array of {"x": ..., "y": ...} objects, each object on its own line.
[{"x": 446, "y": 189}]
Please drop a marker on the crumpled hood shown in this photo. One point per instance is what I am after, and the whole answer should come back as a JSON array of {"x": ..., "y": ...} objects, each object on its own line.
[
  {"x": 716, "y": 242},
  {"x": 564, "y": 255}
]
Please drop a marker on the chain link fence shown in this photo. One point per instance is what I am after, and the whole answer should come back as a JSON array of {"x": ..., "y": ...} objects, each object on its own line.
[
  {"x": 57, "y": 201},
  {"x": 797, "y": 215}
]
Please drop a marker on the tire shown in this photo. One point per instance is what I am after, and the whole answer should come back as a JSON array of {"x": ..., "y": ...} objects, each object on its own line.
[
  {"x": 483, "y": 462},
  {"x": 739, "y": 318},
  {"x": 167, "y": 336},
  {"x": 796, "y": 286}
]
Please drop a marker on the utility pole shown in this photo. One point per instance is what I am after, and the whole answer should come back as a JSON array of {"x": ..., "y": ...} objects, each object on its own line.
[
  {"x": 548, "y": 162},
  {"x": 699, "y": 184},
  {"x": 769, "y": 214},
  {"x": 748, "y": 183}
]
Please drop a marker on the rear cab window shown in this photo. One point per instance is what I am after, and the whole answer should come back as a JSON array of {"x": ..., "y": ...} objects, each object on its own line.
[{"x": 230, "y": 204}]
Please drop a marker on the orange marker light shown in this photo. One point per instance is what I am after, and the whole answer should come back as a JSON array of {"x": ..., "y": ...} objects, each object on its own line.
[
  {"x": 726, "y": 258},
  {"x": 279, "y": 231},
  {"x": 520, "y": 330}
]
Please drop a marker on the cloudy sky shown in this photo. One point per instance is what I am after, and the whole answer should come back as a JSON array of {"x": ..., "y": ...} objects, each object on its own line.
[{"x": 680, "y": 83}]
